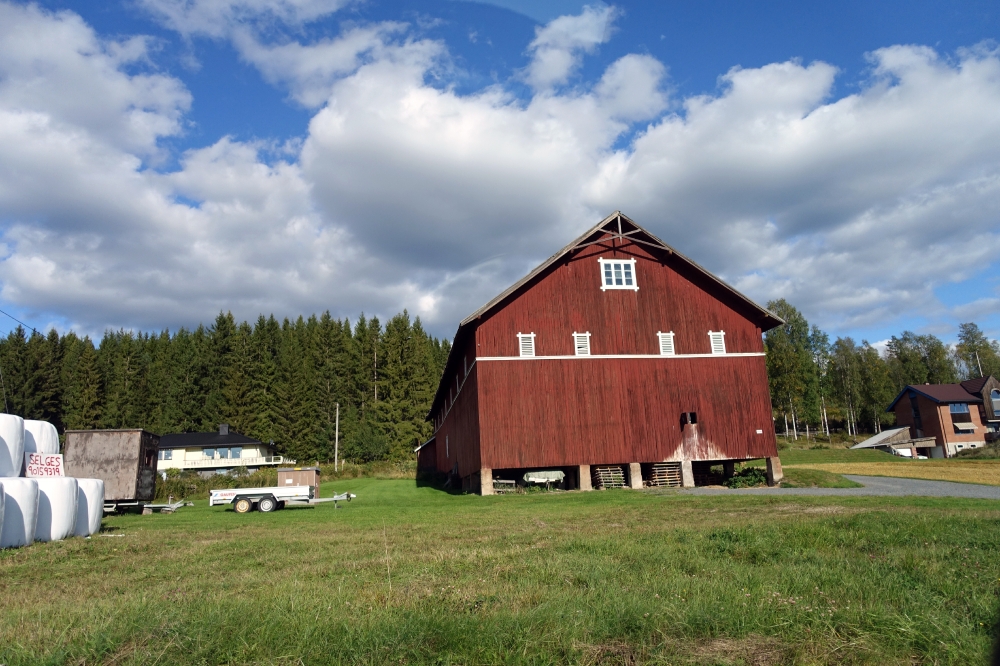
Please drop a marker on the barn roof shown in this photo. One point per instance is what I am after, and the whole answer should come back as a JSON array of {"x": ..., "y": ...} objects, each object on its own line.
[{"x": 621, "y": 227}]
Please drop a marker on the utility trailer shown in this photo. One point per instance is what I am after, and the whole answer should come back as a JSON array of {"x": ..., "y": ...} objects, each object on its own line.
[
  {"x": 265, "y": 500},
  {"x": 124, "y": 459}
]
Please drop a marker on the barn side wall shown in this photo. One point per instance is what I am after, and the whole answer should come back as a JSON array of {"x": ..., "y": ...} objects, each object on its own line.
[
  {"x": 457, "y": 439},
  {"x": 539, "y": 413}
]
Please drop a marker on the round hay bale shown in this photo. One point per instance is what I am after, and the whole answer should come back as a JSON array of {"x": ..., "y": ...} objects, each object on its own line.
[
  {"x": 11, "y": 445},
  {"x": 20, "y": 512},
  {"x": 57, "y": 498},
  {"x": 89, "y": 506},
  {"x": 40, "y": 437}
]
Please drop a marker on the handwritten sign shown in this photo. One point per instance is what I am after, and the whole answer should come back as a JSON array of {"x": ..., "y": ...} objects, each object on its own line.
[{"x": 37, "y": 465}]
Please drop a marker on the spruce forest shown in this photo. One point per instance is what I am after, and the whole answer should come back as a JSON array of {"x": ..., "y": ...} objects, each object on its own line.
[
  {"x": 274, "y": 381},
  {"x": 282, "y": 382}
]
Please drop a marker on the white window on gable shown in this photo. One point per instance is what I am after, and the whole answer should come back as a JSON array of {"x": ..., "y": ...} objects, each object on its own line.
[
  {"x": 526, "y": 343},
  {"x": 718, "y": 340},
  {"x": 581, "y": 344},
  {"x": 618, "y": 274},
  {"x": 666, "y": 343}
]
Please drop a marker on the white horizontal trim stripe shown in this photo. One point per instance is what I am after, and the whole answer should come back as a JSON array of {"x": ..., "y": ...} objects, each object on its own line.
[{"x": 597, "y": 356}]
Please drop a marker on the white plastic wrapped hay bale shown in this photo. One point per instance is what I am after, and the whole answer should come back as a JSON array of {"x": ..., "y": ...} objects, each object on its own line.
[
  {"x": 57, "y": 497},
  {"x": 20, "y": 512},
  {"x": 40, "y": 437},
  {"x": 1, "y": 508},
  {"x": 11, "y": 445},
  {"x": 89, "y": 506}
]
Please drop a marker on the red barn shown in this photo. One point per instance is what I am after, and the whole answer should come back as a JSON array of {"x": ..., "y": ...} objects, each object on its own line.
[{"x": 618, "y": 361}]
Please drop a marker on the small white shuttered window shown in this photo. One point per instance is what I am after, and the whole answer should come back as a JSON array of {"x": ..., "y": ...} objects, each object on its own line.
[
  {"x": 526, "y": 343},
  {"x": 666, "y": 343},
  {"x": 581, "y": 344},
  {"x": 718, "y": 340}
]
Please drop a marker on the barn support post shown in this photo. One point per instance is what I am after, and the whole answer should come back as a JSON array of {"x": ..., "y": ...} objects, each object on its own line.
[
  {"x": 687, "y": 474},
  {"x": 774, "y": 473},
  {"x": 584, "y": 472},
  {"x": 635, "y": 476},
  {"x": 486, "y": 481},
  {"x": 729, "y": 469}
]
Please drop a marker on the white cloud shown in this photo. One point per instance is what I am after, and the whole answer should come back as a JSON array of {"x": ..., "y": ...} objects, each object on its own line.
[
  {"x": 54, "y": 65},
  {"x": 559, "y": 45},
  {"x": 407, "y": 194},
  {"x": 216, "y": 18},
  {"x": 311, "y": 70}
]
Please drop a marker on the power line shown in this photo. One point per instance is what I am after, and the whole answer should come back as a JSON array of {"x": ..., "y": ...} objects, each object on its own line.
[{"x": 33, "y": 330}]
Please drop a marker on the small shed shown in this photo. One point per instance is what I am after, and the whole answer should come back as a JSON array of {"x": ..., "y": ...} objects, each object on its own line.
[
  {"x": 124, "y": 459},
  {"x": 299, "y": 476}
]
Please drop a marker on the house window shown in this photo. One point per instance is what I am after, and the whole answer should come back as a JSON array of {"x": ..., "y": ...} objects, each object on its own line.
[
  {"x": 960, "y": 412},
  {"x": 526, "y": 343},
  {"x": 618, "y": 274},
  {"x": 666, "y": 343},
  {"x": 208, "y": 453},
  {"x": 995, "y": 398},
  {"x": 718, "y": 340},
  {"x": 224, "y": 453},
  {"x": 165, "y": 454},
  {"x": 236, "y": 452},
  {"x": 581, "y": 344}
]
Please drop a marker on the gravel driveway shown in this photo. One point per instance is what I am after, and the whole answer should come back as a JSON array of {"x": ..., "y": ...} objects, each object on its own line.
[{"x": 873, "y": 485}]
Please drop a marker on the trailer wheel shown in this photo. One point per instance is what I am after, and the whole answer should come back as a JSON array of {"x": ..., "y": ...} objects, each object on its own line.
[
  {"x": 243, "y": 505},
  {"x": 267, "y": 505}
]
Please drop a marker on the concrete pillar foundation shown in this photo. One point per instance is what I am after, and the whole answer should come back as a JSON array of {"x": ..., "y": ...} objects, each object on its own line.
[
  {"x": 635, "y": 476},
  {"x": 687, "y": 474},
  {"x": 486, "y": 481},
  {"x": 774, "y": 473},
  {"x": 584, "y": 473}
]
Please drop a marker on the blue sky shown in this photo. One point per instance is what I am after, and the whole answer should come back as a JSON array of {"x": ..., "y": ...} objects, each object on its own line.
[{"x": 167, "y": 159}]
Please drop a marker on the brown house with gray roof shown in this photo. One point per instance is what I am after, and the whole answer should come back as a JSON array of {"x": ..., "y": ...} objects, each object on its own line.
[{"x": 958, "y": 416}]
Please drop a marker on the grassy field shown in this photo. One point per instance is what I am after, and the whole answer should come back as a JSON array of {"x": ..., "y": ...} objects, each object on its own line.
[
  {"x": 963, "y": 471},
  {"x": 413, "y": 575}
]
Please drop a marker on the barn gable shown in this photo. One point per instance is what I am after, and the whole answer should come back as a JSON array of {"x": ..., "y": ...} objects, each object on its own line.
[{"x": 615, "y": 235}]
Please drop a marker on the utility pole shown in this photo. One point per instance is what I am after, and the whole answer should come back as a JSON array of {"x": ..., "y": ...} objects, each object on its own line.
[
  {"x": 376, "y": 372},
  {"x": 336, "y": 439}
]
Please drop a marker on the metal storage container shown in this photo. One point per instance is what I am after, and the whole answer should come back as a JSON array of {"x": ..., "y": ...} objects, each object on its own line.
[{"x": 124, "y": 459}]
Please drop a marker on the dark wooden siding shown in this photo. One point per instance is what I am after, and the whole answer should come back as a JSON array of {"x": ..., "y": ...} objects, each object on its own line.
[
  {"x": 571, "y": 412},
  {"x": 570, "y": 300},
  {"x": 457, "y": 440}
]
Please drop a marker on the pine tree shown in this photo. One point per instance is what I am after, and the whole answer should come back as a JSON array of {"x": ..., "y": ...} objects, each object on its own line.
[{"x": 83, "y": 392}]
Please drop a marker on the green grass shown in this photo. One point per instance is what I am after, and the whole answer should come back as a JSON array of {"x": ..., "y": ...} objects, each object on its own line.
[
  {"x": 414, "y": 575},
  {"x": 814, "y": 478}
]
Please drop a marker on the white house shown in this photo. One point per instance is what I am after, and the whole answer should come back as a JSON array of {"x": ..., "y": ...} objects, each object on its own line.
[{"x": 215, "y": 452}]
